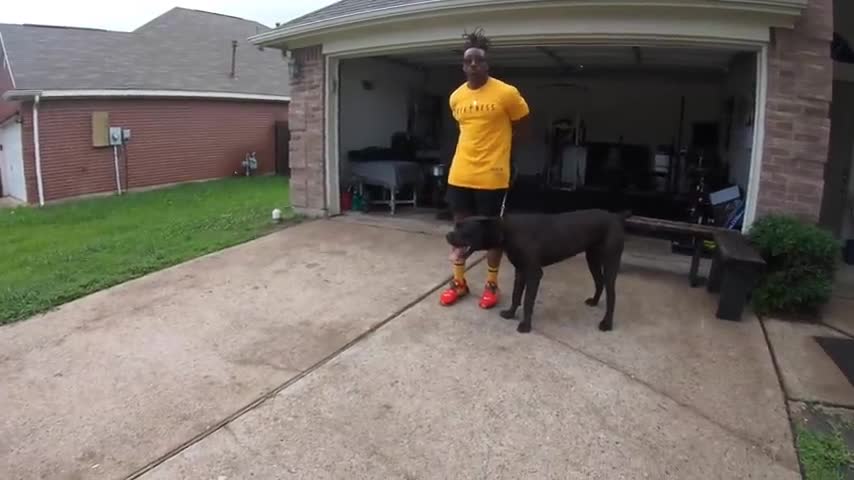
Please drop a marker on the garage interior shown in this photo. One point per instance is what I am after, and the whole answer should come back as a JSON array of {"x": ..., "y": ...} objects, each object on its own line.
[{"x": 615, "y": 127}]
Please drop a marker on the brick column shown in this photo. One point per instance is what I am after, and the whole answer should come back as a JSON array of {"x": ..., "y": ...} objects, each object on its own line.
[
  {"x": 797, "y": 122},
  {"x": 306, "y": 123}
]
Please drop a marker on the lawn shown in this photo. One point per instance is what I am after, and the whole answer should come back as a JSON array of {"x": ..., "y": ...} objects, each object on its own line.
[{"x": 54, "y": 254}]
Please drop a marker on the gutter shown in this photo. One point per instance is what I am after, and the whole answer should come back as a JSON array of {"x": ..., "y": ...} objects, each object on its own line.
[
  {"x": 37, "y": 143},
  {"x": 437, "y": 8},
  {"x": 138, "y": 93}
]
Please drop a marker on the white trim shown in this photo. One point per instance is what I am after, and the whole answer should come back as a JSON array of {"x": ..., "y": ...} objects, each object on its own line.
[
  {"x": 331, "y": 162},
  {"x": 543, "y": 27},
  {"x": 119, "y": 93},
  {"x": 37, "y": 145},
  {"x": 446, "y": 8},
  {"x": 7, "y": 62},
  {"x": 753, "y": 183}
]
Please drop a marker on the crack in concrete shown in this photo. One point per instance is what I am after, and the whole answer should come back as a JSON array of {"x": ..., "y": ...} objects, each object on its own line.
[
  {"x": 274, "y": 392},
  {"x": 740, "y": 436},
  {"x": 785, "y": 393}
]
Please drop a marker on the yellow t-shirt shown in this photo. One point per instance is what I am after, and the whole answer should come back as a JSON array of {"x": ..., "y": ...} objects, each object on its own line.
[{"x": 485, "y": 117}]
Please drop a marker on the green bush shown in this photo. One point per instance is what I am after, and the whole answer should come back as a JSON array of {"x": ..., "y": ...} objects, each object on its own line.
[{"x": 801, "y": 260}]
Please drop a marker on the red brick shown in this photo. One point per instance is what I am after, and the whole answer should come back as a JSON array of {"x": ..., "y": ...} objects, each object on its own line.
[
  {"x": 800, "y": 79},
  {"x": 172, "y": 141},
  {"x": 308, "y": 118}
]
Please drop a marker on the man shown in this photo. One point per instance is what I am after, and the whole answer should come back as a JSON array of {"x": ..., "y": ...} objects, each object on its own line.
[{"x": 488, "y": 112}]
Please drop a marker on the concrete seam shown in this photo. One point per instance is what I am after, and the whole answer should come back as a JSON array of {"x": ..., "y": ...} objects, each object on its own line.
[
  {"x": 274, "y": 392},
  {"x": 690, "y": 408},
  {"x": 785, "y": 392},
  {"x": 837, "y": 330},
  {"x": 821, "y": 403}
]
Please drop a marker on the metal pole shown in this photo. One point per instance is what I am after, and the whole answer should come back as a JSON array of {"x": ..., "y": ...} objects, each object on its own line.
[{"x": 116, "y": 162}]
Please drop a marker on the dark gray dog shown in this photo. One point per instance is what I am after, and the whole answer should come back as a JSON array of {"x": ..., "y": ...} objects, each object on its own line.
[{"x": 534, "y": 241}]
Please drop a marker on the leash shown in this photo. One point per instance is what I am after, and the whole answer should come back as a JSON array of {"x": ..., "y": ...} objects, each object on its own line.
[{"x": 507, "y": 192}]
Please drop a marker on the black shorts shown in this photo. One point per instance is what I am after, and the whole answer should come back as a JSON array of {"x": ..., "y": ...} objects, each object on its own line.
[{"x": 473, "y": 201}]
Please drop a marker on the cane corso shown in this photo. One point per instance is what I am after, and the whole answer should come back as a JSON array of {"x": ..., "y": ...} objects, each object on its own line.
[{"x": 533, "y": 241}]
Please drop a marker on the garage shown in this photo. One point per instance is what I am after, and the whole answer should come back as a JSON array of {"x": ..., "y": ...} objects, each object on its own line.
[
  {"x": 755, "y": 76},
  {"x": 14, "y": 183},
  {"x": 633, "y": 126}
]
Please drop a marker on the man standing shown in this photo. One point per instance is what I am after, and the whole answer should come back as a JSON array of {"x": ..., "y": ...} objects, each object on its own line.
[{"x": 488, "y": 112}]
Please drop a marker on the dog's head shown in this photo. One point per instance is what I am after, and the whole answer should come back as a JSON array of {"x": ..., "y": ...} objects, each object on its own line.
[{"x": 475, "y": 234}]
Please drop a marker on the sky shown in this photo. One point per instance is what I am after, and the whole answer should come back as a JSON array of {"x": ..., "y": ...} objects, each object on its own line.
[{"x": 129, "y": 15}]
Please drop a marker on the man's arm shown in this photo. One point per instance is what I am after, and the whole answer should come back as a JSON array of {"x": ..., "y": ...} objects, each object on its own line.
[{"x": 517, "y": 109}]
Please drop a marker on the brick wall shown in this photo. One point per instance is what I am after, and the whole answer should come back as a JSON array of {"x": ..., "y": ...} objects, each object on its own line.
[
  {"x": 171, "y": 141},
  {"x": 306, "y": 122},
  {"x": 797, "y": 126}
]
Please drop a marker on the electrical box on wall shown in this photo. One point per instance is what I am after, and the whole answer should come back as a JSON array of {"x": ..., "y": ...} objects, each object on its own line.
[
  {"x": 115, "y": 136},
  {"x": 125, "y": 135},
  {"x": 100, "y": 126}
]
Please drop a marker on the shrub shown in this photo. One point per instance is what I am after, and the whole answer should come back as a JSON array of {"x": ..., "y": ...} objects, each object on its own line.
[{"x": 801, "y": 260}]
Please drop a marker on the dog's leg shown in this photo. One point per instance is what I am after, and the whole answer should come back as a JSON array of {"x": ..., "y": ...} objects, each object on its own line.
[
  {"x": 612, "y": 267},
  {"x": 594, "y": 263},
  {"x": 532, "y": 285},
  {"x": 518, "y": 288}
]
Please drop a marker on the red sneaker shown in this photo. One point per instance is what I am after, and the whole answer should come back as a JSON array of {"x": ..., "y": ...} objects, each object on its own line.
[
  {"x": 489, "y": 298},
  {"x": 456, "y": 291}
]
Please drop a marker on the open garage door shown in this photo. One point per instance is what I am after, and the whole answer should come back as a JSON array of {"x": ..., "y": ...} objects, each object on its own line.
[{"x": 618, "y": 127}]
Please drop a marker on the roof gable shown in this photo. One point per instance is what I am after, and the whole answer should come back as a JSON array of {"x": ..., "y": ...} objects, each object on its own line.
[
  {"x": 179, "y": 50},
  {"x": 344, "y": 8}
]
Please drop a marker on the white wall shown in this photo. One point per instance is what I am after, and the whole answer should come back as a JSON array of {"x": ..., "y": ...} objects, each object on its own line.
[
  {"x": 369, "y": 117},
  {"x": 740, "y": 84}
]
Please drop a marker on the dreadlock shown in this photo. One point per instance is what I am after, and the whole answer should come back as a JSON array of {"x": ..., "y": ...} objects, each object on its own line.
[{"x": 477, "y": 39}]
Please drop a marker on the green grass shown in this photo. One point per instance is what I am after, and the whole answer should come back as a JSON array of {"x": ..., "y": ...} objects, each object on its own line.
[
  {"x": 51, "y": 255},
  {"x": 824, "y": 456}
]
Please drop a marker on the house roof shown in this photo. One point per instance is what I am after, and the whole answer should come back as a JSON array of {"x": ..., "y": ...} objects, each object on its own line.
[
  {"x": 344, "y": 8},
  {"x": 185, "y": 50}
]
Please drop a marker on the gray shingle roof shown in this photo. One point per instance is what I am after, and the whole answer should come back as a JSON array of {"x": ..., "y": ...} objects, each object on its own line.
[
  {"x": 347, "y": 7},
  {"x": 179, "y": 50}
]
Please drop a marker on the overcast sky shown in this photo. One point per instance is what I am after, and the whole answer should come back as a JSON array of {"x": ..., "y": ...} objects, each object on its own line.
[{"x": 128, "y": 15}]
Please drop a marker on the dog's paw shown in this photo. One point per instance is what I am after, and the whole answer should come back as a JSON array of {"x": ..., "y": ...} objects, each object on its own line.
[
  {"x": 508, "y": 314},
  {"x": 524, "y": 327},
  {"x": 591, "y": 302},
  {"x": 606, "y": 326}
]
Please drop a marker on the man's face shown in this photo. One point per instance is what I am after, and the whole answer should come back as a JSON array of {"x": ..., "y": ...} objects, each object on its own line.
[{"x": 474, "y": 64}]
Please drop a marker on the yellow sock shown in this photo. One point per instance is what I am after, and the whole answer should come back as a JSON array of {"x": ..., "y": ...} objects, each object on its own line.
[
  {"x": 492, "y": 275},
  {"x": 460, "y": 272}
]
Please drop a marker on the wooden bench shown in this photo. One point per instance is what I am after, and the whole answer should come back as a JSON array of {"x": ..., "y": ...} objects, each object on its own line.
[
  {"x": 697, "y": 231},
  {"x": 736, "y": 269}
]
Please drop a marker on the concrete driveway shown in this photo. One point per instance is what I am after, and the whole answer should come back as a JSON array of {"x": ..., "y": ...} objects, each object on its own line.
[{"x": 262, "y": 362}]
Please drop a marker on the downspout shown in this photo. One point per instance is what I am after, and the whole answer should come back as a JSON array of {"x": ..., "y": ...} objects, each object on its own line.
[{"x": 38, "y": 149}]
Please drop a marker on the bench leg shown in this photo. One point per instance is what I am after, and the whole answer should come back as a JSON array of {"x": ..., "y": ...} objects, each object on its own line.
[
  {"x": 737, "y": 283},
  {"x": 695, "y": 263},
  {"x": 714, "y": 283},
  {"x": 733, "y": 296}
]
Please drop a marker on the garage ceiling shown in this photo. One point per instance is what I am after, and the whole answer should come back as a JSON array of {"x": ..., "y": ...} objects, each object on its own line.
[{"x": 582, "y": 58}]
